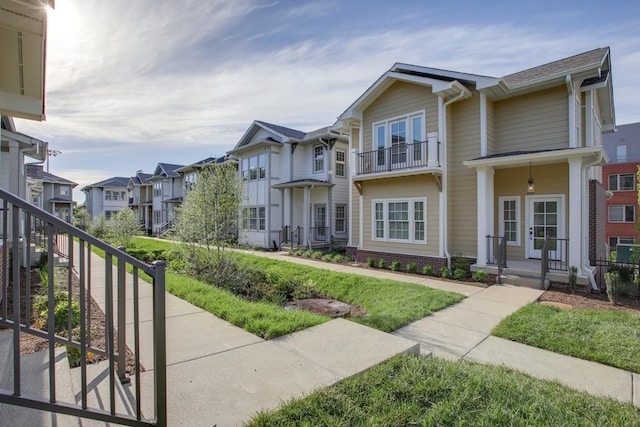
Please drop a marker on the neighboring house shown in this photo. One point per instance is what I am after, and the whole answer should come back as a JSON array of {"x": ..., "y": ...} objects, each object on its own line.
[
  {"x": 441, "y": 163},
  {"x": 190, "y": 172},
  {"x": 623, "y": 149},
  {"x": 52, "y": 193},
  {"x": 141, "y": 199},
  {"x": 107, "y": 197},
  {"x": 295, "y": 186},
  {"x": 167, "y": 194},
  {"x": 15, "y": 148}
]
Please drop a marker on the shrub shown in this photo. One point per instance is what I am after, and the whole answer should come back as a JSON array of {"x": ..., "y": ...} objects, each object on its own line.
[
  {"x": 308, "y": 253},
  {"x": 573, "y": 278},
  {"x": 459, "y": 262},
  {"x": 316, "y": 255},
  {"x": 611, "y": 279},
  {"x": 445, "y": 272},
  {"x": 459, "y": 274},
  {"x": 396, "y": 265},
  {"x": 371, "y": 261},
  {"x": 480, "y": 276},
  {"x": 412, "y": 267},
  {"x": 304, "y": 290},
  {"x": 299, "y": 252},
  {"x": 428, "y": 270},
  {"x": 382, "y": 263}
]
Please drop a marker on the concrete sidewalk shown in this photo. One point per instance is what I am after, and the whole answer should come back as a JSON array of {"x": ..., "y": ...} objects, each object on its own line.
[{"x": 220, "y": 374}]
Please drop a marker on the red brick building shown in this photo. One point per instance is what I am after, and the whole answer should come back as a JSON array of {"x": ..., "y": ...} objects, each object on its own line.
[{"x": 619, "y": 177}]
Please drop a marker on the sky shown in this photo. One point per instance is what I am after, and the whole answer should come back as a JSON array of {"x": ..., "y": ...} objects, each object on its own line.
[{"x": 134, "y": 83}]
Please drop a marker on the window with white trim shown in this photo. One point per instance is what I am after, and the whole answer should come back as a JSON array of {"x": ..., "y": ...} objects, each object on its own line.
[
  {"x": 64, "y": 190},
  {"x": 622, "y": 213},
  {"x": 621, "y": 153},
  {"x": 318, "y": 158},
  {"x": 107, "y": 195},
  {"x": 341, "y": 163},
  {"x": 341, "y": 218},
  {"x": 616, "y": 240},
  {"x": 254, "y": 218},
  {"x": 509, "y": 219},
  {"x": 157, "y": 189},
  {"x": 622, "y": 182},
  {"x": 403, "y": 134},
  {"x": 399, "y": 220},
  {"x": 254, "y": 167}
]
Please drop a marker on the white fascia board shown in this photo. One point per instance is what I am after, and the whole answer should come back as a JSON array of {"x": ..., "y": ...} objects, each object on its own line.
[
  {"x": 480, "y": 81},
  {"x": 545, "y": 157}
]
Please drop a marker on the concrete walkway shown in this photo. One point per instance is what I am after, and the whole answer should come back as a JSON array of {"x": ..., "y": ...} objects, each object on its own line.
[{"x": 220, "y": 374}]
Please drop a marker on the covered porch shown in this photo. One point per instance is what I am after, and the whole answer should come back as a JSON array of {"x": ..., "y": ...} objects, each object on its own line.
[{"x": 533, "y": 213}]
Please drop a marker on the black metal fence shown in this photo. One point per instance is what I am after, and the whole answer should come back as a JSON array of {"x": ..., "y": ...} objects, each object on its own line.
[
  {"x": 628, "y": 276},
  {"x": 400, "y": 156}
]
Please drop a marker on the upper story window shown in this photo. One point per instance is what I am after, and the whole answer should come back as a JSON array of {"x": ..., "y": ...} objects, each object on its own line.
[
  {"x": 621, "y": 182},
  {"x": 157, "y": 189},
  {"x": 189, "y": 181},
  {"x": 318, "y": 158},
  {"x": 107, "y": 195},
  {"x": 341, "y": 157},
  {"x": 621, "y": 153},
  {"x": 399, "y": 131},
  {"x": 622, "y": 213},
  {"x": 64, "y": 190},
  {"x": 254, "y": 167}
]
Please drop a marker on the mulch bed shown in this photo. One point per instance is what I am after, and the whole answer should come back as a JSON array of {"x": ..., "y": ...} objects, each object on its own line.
[
  {"x": 31, "y": 344},
  {"x": 589, "y": 300}
]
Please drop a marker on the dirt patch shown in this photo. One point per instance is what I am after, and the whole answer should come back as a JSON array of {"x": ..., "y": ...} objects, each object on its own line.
[
  {"x": 588, "y": 300},
  {"x": 326, "y": 307},
  {"x": 31, "y": 344}
]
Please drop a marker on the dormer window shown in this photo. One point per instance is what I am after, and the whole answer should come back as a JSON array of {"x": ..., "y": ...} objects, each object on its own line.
[{"x": 318, "y": 158}]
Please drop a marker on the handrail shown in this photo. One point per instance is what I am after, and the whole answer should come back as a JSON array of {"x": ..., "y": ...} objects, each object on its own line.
[
  {"x": 497, "y": 253},
  {"x": 400, "y": 156},
  {"x": 17, "y": 216},
  {"x": 544, "y": 264},
  {"x": 283, "y": 236}
]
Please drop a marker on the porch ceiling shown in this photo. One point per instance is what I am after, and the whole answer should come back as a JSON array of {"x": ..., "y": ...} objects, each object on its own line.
[
  {"x": 522, "y": 158},
  {"x": 303, "y": 183}
]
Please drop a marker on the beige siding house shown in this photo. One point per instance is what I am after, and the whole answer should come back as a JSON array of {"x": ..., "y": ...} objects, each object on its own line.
[
  {"x": 447, "y": 164},
  {"x": 295, "y": 186}
]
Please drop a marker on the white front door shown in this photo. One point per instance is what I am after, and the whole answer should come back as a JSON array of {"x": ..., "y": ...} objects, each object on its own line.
[{"x": 545, "y": 218}]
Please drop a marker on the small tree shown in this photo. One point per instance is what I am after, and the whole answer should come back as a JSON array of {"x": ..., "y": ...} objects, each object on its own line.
[
  {"x": 98, "y": 226},
  {"x": 122, "y": 227},
  {"x": 207, "y": 221}
]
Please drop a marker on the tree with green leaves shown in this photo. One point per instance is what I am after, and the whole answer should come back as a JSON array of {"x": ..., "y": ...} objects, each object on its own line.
[
  {"x": 207, "y": 221},
  {"x": 122, "y": 226}
]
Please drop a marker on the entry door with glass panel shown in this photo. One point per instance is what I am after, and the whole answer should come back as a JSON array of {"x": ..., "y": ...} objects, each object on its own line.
[
  {"x": 321, "y": 223},
  {"x": 545, "y": 219}
]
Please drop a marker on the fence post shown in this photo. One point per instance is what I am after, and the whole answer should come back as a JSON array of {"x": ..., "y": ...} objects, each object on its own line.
[
  {"x": 160, "y": 347},
  {"x": 122, "y": 321}
]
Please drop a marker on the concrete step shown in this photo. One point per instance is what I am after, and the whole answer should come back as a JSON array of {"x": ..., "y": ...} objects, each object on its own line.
[
  {"x": 518, "y": 280},
  {"x": 35, "y": 383},
  {"x": 98, "y": 392}
]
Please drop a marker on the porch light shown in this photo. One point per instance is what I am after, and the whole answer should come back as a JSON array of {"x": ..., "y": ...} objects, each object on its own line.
[{"x": 530, "y": 188}]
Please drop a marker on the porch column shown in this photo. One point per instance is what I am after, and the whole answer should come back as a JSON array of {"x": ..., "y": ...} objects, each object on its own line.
[
  {"x": 485, "y": 212},
  {"x": 575, "y": 213},
  {"x": 282, "y": 210},
  {"x": 305, "y": 218},
  {"x": 352, "y": 173}
]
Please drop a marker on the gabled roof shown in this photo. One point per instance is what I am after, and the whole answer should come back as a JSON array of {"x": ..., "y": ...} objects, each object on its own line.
[
  {"x": 116, "y": 181},
  {"x": 35, "y": 171},
  {"x": 141, "y": 178},
  {"x": 166, "y": 170},
  {"x": 281, "y": 135},
  {"x": 201, "y": 163}
]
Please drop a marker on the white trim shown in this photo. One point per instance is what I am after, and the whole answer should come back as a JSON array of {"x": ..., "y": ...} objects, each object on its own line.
[
  {"x": 409, "y": 128},
  {"x": 501, "y": 231},
  {"x": 410, "y": 219},
  {"x": 315, "y": 159},
  {"x": 560, "y": 198},
  {"x": 483, "y": 125},
  {"x": 343, "y": 163}
]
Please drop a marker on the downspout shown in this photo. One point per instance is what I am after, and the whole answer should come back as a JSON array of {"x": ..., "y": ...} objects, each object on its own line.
[
  {"x": 444, "y": 174},
  {"x": 586, "y": 268}
]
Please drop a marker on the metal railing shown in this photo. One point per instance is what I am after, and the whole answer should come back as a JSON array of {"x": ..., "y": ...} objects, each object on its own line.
[
  {"x": 296, "y": 237},
  {"x": 19, "y": 219},
  {"x": 557, "y": 251},
  {"x": 284, "y": 236},
  {"x": 497, "y": 253},
  {"x": 401, "y": 156},
  {"x": 319, "y": 234},
  {"x": 628, "y": 276}
]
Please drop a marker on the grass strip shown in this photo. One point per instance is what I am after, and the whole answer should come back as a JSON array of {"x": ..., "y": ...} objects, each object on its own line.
[
  {"x": 610, "y": 337},
  {"x": 422, "y": 391}
]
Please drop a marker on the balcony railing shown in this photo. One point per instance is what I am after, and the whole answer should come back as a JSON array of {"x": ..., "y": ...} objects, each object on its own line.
[
  {"x": 401, "y": 156},
  {"x": 25, "y": 226}
]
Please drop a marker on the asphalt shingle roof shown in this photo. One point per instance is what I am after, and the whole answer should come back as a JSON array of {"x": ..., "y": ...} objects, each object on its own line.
[
  {"x": 288, "y": 132},
  {"x": 116, "y": 181}
]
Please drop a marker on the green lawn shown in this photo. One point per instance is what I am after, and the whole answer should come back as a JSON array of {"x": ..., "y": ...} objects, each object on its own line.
[
  {"x": 389, "y": 304},
  {"x": 422, "y": 391},
  {"x": 604, "y": 336}
]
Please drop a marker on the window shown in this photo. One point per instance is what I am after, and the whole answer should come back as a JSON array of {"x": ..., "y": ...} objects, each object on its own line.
[
  {"x": 190, "y": 181},
  {"x": 399, "y": 133},
  {"x": 341, "y": 218},
  {"x": 341, "y": 163},
  {"x": 400, "y": 220},
  {"x": 318, "y": 158},
  {"x": 254, "y": 218},
  {"x": 509, "y": 215},
  {"x": 622, "y": 182},
  {"x": 262, "y": 161},
  {"x": 245, "y": 169},
  {"x": 622, "y": 213},
  {"x": 107, "y": 195},
  {"x": 157, "y": 189},
  {"x": 621, "y": 153},
  {"x": 615, "y": 241},
  {"x": 254, "y": 167},
  {"x": 64, "y": 190}
]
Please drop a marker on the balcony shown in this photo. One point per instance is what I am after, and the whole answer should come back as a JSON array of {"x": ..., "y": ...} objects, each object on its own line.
[{"x": 400, "y": 159}]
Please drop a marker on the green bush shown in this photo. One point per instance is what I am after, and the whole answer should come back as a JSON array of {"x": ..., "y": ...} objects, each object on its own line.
[
  {"x": 396, "y": 265},
  {"x": 459, "y": 274},
  {"x": 382, "y": 263},
  {"x": 327, "y": 258},
  {"x": 316, "y": 255},
  {"x": 445, "y": 272},
  {"x": 459, "y": 262},
  {"x": 427, "y": 270},
  {"x": 308, "y": 253},
  {"x": 412, "y": 267},
  {"x": 371, "y": 261},
  {"x": 480, "y": 276},
  {"x": 299, "y": 252}
]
